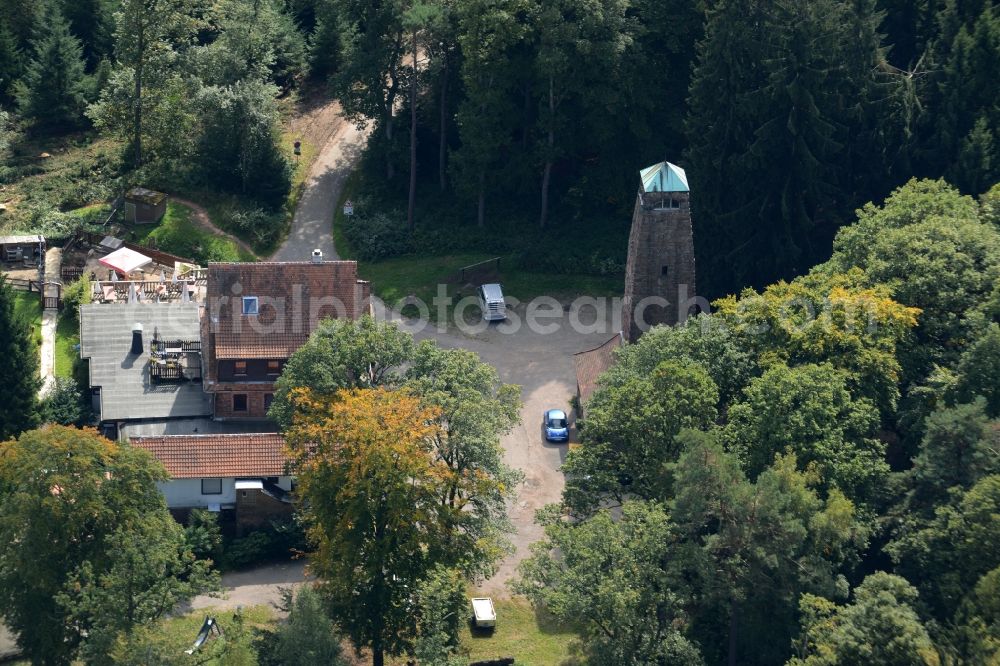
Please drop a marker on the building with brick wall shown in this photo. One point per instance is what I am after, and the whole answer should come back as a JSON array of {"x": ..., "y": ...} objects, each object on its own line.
[{"x": 258, "y": 314}]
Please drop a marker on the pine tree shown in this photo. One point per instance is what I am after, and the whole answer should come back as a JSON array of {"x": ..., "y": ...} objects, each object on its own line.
[
  {"x": 52, "y": 91},
  {"x": 19, "y": 377},
  {"x": 785, "y": 99},
  {"x": 720, "y": 124},
  {"x": 10, "y": 62}
]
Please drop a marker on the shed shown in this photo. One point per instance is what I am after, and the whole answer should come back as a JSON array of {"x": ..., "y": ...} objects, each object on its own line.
[
  {"x": 143, "y": 206},
  {"x": 16, "y": 248}
]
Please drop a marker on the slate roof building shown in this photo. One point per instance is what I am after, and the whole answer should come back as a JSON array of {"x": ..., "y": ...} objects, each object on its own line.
[
  {"x": 258, "y": 315},
  {"x": 124, "y": 382}
]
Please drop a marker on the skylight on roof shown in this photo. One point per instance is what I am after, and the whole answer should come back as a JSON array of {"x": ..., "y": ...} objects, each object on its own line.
[{"x": 249, "y": 305}]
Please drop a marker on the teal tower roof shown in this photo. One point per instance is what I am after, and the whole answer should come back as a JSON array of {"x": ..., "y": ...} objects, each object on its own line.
[{"x": 664, "y": 177}]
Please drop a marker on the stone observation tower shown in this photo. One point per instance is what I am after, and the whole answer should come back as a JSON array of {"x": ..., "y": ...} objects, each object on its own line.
[{"x": 659, "y": 275}]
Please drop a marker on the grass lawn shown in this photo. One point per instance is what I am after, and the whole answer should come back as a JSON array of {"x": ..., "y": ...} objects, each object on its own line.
[
  {"x": 177, "y": 634},
  {"x": 529, "y": 637},
  {"x": 67, "y": 337},
  {"x": 396, "y": 278},
  {"x": 29, "y": 306},
  {"x": 177, "y": 234}
]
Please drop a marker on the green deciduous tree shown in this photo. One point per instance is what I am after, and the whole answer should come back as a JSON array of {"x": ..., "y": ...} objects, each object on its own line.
[
  {"x": 977, "y": 631},
  {"x": 879, "y": 627},
  {"x": 343, "y": 354},
  {"x": 257, "y": 41},
  {"x": 442, "y": 606},
  {"x": 927, "y": 245},
  {"x": 628, "y": 437},
  {"x": 488, "y": 34},
  {"x": 372, "y": 77},
  {"x": 475, "y": 409},
  {"x": 149, "y": 569},
  {"x": 616, "y": 579},
  {"x": 52, "y": 90},
  {"x": 88, "y": 548},
  {"x": 959, "y": 447},
  {"x": 826, "y": 319},
  {"x": 150, "y": 37},
  {"x": 579, "y": 46},
  {"x": 808, "y": 410},
  {"x": 19, "y": 374},
  {"x": 979, "y": 370}
]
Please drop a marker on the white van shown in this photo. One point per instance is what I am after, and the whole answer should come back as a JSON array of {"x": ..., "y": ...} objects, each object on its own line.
[{"x": 492, "y": 303}]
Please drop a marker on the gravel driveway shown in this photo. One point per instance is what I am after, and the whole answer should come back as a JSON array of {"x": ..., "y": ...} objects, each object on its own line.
[{"x": 542, "y": 364}]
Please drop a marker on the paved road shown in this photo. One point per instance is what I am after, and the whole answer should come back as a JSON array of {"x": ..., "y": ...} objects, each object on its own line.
[{"x": 312, "y": 226}]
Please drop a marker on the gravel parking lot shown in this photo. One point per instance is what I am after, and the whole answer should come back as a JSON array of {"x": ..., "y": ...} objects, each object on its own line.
[{"x": 542, "y": 364}]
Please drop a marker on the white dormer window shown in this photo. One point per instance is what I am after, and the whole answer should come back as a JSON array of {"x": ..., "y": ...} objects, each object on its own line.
[{"x": 249, "y": 305}]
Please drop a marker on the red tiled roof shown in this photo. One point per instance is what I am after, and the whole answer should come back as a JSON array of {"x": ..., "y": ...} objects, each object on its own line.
[
  {"x": 221, "y": 455},
  {"x": 293, "y": 297},
  {"x": 592, "y": 363}
]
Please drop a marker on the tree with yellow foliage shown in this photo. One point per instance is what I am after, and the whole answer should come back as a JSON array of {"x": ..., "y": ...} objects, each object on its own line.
[{"x": 372, "y": 484}]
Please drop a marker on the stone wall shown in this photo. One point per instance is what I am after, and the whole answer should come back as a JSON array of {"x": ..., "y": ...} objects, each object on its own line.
[{"x": 660, "y": 262}]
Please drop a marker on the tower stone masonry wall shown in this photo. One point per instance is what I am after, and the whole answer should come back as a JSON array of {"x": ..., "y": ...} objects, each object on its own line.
[{"x": 660, "y": 262}]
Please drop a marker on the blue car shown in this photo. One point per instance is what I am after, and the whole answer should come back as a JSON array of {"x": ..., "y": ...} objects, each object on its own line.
[{"x": 556, "y": 426}]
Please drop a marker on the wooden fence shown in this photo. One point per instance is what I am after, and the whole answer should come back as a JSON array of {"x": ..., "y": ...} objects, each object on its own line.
[
  {"x": 160, "y": 257},
  {"x": 479, "y": 273},
  {"x": 34, "y": 286}
]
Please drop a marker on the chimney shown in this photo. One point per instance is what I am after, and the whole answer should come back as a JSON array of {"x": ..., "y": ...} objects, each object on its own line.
[
  {"x": 317, "y": 256},
  {"x": 136, "y": 339}
]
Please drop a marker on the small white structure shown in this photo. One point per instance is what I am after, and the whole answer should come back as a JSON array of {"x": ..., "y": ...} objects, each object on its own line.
[
  {"x": 348, "y": 208},
  {"x": 483, "y": 613},
  {"x": 125, "y": 260}
]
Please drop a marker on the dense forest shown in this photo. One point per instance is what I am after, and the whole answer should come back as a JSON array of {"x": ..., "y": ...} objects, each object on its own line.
[
  {"x": 808, "y": 475},
  {"x": 515, "y": 115}
]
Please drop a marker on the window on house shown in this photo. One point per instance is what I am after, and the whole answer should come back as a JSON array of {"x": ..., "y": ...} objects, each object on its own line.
[
  {"x": 240, "y": 368},
  {"x": 249, "y": 305},
  {"x": 239, "y": 402},
  {"x": 274, "y": 367},
  {"x": 211, "y": 486},
  {"x": 268, "y": 398}
]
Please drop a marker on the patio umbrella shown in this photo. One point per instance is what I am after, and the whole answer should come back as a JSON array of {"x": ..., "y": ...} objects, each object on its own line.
[
  {"x": 114, "y": 276},
  {"x": 131, "y": 293},
  {"x": 163, "y": 276},
  {"x": 185, "y": 296}
]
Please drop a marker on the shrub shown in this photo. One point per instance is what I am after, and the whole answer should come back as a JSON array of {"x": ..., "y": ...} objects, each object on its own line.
[
  {"x": 63, "y": 403},
  {"x": 75, "y": 294},
  {"x": 275, "y": 542},
  {"x": 203, "y": 535},
  {"x": 256, "y": 223},
  {"x": 377, "y": 236}
]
